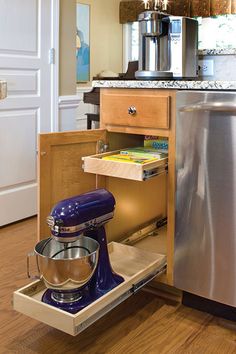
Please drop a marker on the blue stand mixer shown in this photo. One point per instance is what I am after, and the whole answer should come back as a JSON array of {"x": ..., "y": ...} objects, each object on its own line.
[{"x": 74, "y": 262}]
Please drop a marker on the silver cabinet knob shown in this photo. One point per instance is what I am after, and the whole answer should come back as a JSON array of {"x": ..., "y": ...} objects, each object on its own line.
[{"x": 132, "y": 110}]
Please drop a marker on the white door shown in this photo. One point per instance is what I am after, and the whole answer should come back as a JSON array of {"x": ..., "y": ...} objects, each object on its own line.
[{"x": 25, "y": 38}]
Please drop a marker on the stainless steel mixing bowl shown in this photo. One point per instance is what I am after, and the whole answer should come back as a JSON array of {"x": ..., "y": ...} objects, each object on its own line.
[{"x": 65, "y": 266}]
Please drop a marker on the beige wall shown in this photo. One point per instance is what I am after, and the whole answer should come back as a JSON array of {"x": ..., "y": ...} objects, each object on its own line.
[
  {"x": 105, "y": 40},
  {"x": 105, "y": 36},
  {"x": 67, "y": 47}
]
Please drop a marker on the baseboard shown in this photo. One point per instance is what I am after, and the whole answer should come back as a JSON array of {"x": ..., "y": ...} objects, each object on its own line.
[
  {"x": 213, "y": 307},
  {"x": 165, "y": 292}
]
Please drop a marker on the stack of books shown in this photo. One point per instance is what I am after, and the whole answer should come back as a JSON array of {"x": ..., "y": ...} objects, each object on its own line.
[{"x": 138, "y": 155}]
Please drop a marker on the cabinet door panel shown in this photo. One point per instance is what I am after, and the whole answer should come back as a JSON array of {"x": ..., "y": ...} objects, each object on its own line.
[{"x": 60, "y": 169}]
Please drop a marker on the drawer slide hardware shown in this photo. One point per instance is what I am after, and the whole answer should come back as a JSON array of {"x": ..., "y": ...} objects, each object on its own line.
[
  {"x": 102, "y": 147},
  {"x": 145, "y": 231},
  {"x": 147, "y": 174},
  {"x": 146, "y": 280}
]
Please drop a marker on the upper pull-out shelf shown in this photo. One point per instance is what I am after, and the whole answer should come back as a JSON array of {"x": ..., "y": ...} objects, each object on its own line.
[{"x": 134, "y": 171}]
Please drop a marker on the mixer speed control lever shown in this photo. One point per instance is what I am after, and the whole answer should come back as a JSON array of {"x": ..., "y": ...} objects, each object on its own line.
[{"x": 54, "y": 224}]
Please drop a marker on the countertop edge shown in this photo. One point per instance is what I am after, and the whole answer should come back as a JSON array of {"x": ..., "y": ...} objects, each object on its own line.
[
  {"x": 225, "y": 51},
  {"x": 170, "y": 84}
]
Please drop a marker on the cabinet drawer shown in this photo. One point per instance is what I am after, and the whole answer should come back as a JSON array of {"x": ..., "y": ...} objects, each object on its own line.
[
  {"x": 137, "y": 267},
  {"x": 140, "y": 108},
  {"x": 134, "y": 171}
]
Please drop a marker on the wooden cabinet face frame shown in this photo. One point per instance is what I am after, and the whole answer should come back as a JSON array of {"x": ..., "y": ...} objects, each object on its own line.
[
  {"x": 61, "y": 174},
  {"x": 53, "y": 173},
  {"x": 110, "y": 124}
]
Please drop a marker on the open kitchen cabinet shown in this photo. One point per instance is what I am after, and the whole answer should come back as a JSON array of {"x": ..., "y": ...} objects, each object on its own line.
[{"x": 140, "y": 201}]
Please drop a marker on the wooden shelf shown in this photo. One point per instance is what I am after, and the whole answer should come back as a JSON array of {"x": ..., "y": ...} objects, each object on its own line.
[
  {"x": 137, "y": 267},
  {"x": 134, "y": 171}
]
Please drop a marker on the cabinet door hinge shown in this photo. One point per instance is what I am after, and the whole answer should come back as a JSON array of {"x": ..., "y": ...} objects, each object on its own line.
[
  {"x": 102, "y": 147},
  {"x": 51, "y": 55}
]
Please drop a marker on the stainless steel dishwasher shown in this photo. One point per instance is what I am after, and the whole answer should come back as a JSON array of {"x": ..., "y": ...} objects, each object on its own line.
[{"x": 205, "y": 234}]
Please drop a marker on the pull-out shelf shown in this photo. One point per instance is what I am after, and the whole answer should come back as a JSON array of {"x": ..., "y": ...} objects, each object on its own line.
[
  {"x": 138, "y": 267},
  {"x": 134, "y": 171}
]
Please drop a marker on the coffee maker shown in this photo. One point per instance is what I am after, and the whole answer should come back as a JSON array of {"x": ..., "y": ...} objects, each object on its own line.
[{"x": 168, "y": 46}]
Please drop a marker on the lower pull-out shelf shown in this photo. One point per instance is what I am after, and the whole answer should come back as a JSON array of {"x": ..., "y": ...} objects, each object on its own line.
[
  {"x": 137, "y": 267},
  {"x": 134, "y": 171}
]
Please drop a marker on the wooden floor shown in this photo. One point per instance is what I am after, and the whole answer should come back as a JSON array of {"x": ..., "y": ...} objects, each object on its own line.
[{"x": 143, "y": 324}]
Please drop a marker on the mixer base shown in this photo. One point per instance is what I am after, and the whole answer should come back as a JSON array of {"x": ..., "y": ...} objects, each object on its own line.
[
  {"x": 76, "y": 300},
  {"x": 84, "y": 299}
]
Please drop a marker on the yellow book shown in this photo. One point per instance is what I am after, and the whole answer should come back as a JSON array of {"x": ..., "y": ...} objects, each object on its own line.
[
  {"x": 129, "y": 159},
  {"x": 144, "y": 153}
]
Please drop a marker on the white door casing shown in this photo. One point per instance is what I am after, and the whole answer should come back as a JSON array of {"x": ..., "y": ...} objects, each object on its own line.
[{"x": 25, "y": 27}]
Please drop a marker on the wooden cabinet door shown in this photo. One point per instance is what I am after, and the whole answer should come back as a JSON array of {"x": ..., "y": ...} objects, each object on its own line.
[{"x": 60, "y": 173}]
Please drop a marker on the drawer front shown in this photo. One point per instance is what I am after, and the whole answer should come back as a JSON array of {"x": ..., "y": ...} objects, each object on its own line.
[{"x": 136, "y": 108}]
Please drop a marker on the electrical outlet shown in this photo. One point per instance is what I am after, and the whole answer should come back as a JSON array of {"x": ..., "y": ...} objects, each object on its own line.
[{"x": 206, "y": 67}]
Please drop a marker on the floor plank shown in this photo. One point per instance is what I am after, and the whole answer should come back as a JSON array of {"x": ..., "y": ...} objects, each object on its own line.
[{"x": 144, "y": 324}]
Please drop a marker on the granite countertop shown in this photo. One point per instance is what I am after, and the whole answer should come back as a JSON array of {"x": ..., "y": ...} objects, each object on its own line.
[
  {"x": 167, "y": 84},
  {"x": 219, "y": 51},
  {"x": 3, "y": 89}
]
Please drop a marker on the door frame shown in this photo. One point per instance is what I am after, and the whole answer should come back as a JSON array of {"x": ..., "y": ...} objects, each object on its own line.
[{"x": 54, "y": 59}]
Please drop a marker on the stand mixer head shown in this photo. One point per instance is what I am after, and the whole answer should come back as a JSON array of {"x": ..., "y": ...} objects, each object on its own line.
[{"x": 74, "y": 263}]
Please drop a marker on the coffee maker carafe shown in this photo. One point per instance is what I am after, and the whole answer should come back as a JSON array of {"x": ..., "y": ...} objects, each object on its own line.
[{"x": 167, "y": 46}]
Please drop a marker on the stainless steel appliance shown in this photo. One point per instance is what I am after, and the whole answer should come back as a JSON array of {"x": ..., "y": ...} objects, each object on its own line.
[
  {"x": 167, "y": 46},
  {"x": 205, "y": 236}
]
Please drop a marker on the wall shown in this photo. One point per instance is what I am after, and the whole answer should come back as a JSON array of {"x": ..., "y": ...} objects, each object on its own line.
[
  {"x": 105, "y": 36},
  {"x": 105, "y": 40},
  {"x": 224, "y": 67},
  {"x": 67, "y": 47}
]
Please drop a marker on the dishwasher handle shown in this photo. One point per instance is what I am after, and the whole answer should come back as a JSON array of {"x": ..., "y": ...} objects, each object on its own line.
[{"x": 210, "y": 106}]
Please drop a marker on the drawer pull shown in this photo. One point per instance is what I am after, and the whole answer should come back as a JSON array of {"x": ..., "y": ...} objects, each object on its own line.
[{"x": 132, "y": 110}]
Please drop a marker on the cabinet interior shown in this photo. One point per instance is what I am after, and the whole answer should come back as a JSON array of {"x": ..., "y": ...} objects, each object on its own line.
[{"x": 138, "y": 203}]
